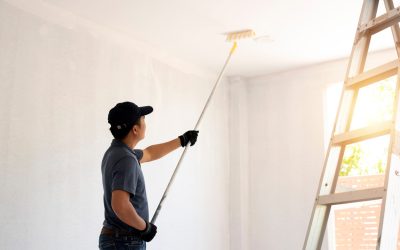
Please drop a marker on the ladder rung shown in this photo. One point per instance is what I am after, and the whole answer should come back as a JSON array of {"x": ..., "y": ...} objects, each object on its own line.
[
  {"x": 381, "y": 22},
  {"x": 363, "y": 133},
  {"x": 374, "y": 75},
  {"x": 353, "y": 196}
]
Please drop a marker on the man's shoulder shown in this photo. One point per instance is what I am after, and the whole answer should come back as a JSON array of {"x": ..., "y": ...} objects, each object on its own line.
[
  {"x": 116, "y": 154},
  {"x": 138, "y": 154},
  {"x": 119, "y": 152}
]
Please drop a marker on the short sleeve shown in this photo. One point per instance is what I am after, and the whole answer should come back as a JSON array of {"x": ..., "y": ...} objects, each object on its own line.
[
  {"x": 125, "y": 175},
  {"x": 138, "y": 153}
]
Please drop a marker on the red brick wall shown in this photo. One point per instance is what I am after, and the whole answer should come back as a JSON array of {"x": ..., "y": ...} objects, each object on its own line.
[{"x": 357, "y": 227}]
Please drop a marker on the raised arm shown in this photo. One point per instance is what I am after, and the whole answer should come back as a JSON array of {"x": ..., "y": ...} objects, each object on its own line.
[{"x": 157, "y": 151}]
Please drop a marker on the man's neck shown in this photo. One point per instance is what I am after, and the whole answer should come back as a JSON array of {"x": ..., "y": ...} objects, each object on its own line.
[{"x": 130, "y": 141}]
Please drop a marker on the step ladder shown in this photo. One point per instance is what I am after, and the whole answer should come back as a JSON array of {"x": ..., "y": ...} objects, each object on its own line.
[{"x": 356, "y": 78}]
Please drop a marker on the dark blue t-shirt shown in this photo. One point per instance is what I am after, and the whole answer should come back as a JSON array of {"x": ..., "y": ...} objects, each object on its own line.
[{"x": 121, "y": 170}]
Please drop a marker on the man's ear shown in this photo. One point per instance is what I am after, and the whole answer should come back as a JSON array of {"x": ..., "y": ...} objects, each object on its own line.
[{"x": 134, "y": 129}]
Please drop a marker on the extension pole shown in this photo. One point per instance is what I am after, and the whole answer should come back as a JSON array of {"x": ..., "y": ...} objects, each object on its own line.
[{"x": 153, "y": 220}]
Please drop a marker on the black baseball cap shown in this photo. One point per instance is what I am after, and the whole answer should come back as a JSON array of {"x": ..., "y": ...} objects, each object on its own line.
[{"x": 125, "y": 114}]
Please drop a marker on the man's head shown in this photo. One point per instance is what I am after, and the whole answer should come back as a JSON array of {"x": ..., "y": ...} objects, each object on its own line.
[{"x": 126, "y": 117}]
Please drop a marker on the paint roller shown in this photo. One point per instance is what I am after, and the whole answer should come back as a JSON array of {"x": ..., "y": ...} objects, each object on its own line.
[{"x": 230, "y": 37}]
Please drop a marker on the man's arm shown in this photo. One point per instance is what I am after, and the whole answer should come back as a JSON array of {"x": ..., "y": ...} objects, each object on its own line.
[
  {"x": 125, "y": 211},
  {"x": 157, "y": 151}
]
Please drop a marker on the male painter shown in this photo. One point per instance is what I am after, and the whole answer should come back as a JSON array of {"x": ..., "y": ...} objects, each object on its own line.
[{"x": 126, "y": 224}]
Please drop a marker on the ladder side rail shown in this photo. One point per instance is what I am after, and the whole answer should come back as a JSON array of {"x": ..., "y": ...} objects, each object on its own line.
[
  {"x": 395, "y": 28},
  {"x": 390, "y": 209},
  {"x": 362, "y": 40}
]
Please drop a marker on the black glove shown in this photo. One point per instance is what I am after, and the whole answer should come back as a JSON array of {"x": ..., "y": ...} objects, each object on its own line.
[
  {"x": 189, "y": 136},
  {"x": 149, "y": 232}
]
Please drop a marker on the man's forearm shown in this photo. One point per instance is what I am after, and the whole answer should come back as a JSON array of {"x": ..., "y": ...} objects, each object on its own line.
[
  {"x": 127, "y": 213},
  {"x": 159, "y": 150}
]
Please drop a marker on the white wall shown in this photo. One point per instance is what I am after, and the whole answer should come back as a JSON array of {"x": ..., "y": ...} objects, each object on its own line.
[
  {"x": 285, "y": 114},
  {"x": 239, "y": 164},
  {"x": 59, "y": 76}
]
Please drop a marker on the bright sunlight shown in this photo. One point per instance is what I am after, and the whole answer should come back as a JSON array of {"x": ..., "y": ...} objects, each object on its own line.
[{"x": 374, "y": 104}]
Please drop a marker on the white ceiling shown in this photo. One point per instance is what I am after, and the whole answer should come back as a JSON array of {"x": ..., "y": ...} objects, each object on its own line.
[{"x": 303, "y": 32}]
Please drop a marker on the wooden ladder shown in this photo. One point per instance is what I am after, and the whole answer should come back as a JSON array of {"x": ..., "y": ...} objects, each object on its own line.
[{"x": 356, "y": 78}]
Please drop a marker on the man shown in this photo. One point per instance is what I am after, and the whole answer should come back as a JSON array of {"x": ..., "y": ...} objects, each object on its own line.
[{"x": 126, "y": 224}]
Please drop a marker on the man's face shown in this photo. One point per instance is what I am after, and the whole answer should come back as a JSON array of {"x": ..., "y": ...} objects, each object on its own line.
[{"x": 141, "y": 128}]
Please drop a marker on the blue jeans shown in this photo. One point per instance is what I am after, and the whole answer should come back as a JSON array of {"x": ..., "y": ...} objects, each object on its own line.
[{"x": 108, "y": 242}]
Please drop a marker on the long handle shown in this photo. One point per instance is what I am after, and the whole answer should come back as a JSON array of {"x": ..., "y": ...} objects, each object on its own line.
[{"x": 153, "y": 220}]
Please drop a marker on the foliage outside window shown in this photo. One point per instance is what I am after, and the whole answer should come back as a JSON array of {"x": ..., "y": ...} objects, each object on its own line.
[{"x": 374, "y": 104}]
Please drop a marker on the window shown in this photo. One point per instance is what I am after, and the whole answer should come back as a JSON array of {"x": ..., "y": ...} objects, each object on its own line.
[{"x": 355, "y": 225}]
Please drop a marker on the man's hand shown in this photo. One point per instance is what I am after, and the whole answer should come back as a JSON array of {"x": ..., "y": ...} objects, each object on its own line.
[
  {"x": 189, "y": 136},
  {"x": 149, "y": 232}
]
